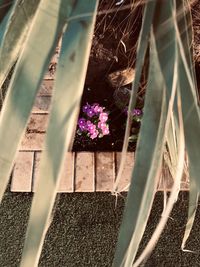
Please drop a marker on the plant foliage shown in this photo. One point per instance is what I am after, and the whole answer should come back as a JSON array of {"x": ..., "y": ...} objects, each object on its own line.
[{"x": 171, "y": 120}]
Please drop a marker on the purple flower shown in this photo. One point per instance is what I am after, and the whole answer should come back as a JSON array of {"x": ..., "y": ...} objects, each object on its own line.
[
  {"x": 90, "y": 112},
  {"x": 126, "y": 110},
  {"x": 93, "y": 123},
  {"x": 137, "y": 112},
  {"x": 81, "y": 121},
  {"x": 82, "y": 124},
  {"x": 86, "y": 108},
  {"x": 103, "y": 117}
]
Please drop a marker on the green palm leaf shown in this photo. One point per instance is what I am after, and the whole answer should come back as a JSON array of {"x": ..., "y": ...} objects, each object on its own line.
[
  {"x": 27, "y": 77},
  {"x": 140, "y": 58},
  {"x": 146, "y": 170},
  {"x": 148, "y": 161},
  {"x": 65, "y": 107},
  {"x": 14, "y": 32}
]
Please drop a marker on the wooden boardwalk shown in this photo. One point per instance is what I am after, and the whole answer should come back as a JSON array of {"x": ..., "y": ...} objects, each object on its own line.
[{"x": 83, "y": 171}]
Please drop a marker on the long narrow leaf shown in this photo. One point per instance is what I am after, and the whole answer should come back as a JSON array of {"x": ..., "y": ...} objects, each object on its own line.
[
  {"x": 191, "y": 110},
  {"x": 175, "y": 190},
  {"x": 163, "y": 30},
  {"x": 66, "y": 99},
  {"x": 140, "y": 57},
  {"x": 11, "y": 43},
  {"x": 27, "y": 77},
  {"x": 3, "y": 24},
  {"x": 5, "y": 6},
  {"x": 193, "y": 204},
  {"x": 147, "y": 164}
]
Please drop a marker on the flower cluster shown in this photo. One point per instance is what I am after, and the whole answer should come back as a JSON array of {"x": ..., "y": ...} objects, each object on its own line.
[
  {"x": 136, "y": 114},
  {"x": 94, "y": 121}
]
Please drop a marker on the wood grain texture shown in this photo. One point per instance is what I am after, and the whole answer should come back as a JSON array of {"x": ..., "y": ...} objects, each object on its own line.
[
  {"x": 85, "y": 179},
  {"x": 105, "y": 171},
  {"x": 23, "y": 172},
  {"x": 127, "y": 171},
  {"x": 67, "y": 175}
]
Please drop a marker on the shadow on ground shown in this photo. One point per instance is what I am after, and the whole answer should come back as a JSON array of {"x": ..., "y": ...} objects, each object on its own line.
[{"x": 84, "y": 231}]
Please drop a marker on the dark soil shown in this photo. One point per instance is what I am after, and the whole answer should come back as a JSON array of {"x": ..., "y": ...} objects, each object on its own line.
[{"x": 114, "y": 48}]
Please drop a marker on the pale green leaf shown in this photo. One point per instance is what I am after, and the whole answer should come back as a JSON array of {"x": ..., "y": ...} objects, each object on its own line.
[
  {"x": 65, "y": 107},
  {"x": 26, "y": 79},
  {"x": 19, "y": 20},
  {"x": 146, "y": 170},
  {"x": 193, "y": 205},
  {"x": 140, "y": 58}
]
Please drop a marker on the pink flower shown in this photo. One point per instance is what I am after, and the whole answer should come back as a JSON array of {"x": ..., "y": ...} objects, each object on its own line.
[
  {"x": 105, "y": 130},
  {"x": 94, "y": 134},
  {"x": 97, "y": 109},
  {"x": 101, "y": 125},
  {"x": 103, "y": 117},
  {"x": 89, "y": 123},
  {"x": 91, "y": 128}
]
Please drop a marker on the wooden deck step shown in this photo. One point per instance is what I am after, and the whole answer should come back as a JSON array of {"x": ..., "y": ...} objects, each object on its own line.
[{"x": 82, "y": 172}]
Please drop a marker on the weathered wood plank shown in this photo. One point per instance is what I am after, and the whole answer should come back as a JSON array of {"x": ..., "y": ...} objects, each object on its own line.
[
  {"x": 37, "y": 123},
  {"x": 127, "y": 171},
  {"x": 50, "y": 75},
  {"x": 89, "y": 168},
  {"x": 46, "y": 88},
  {"x": 42, "y": 104},
  {"x": 166, "y": 183},
  {"x": 32, "y": 142},
  {"x": 67, "y": 176},
  {"x": 22, "y": 173},
  {"x": 105, "y": 171},
  {"x": 85, "y": 179}
]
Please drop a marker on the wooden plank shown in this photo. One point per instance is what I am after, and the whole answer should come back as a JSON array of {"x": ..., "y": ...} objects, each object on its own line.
[
  {"x": 105, "y": 171},
  {"x": 166, "y": 183},
  {"x": 36, "y": 166},
  {"x": 37, "y": 123},
  {"x": 46, "y": 88},
  {"x": 22, "y": 173},
  {"x": 127, "y": 171},
  {"x": 49, "y": 76},
  {"x": 185, "y": 183},
  {"x": 85, "y": 179},
  {"x": 42, "y": 104},
  {"x": 32, "y": 142},
  {"x": 67, "y": 176}
]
